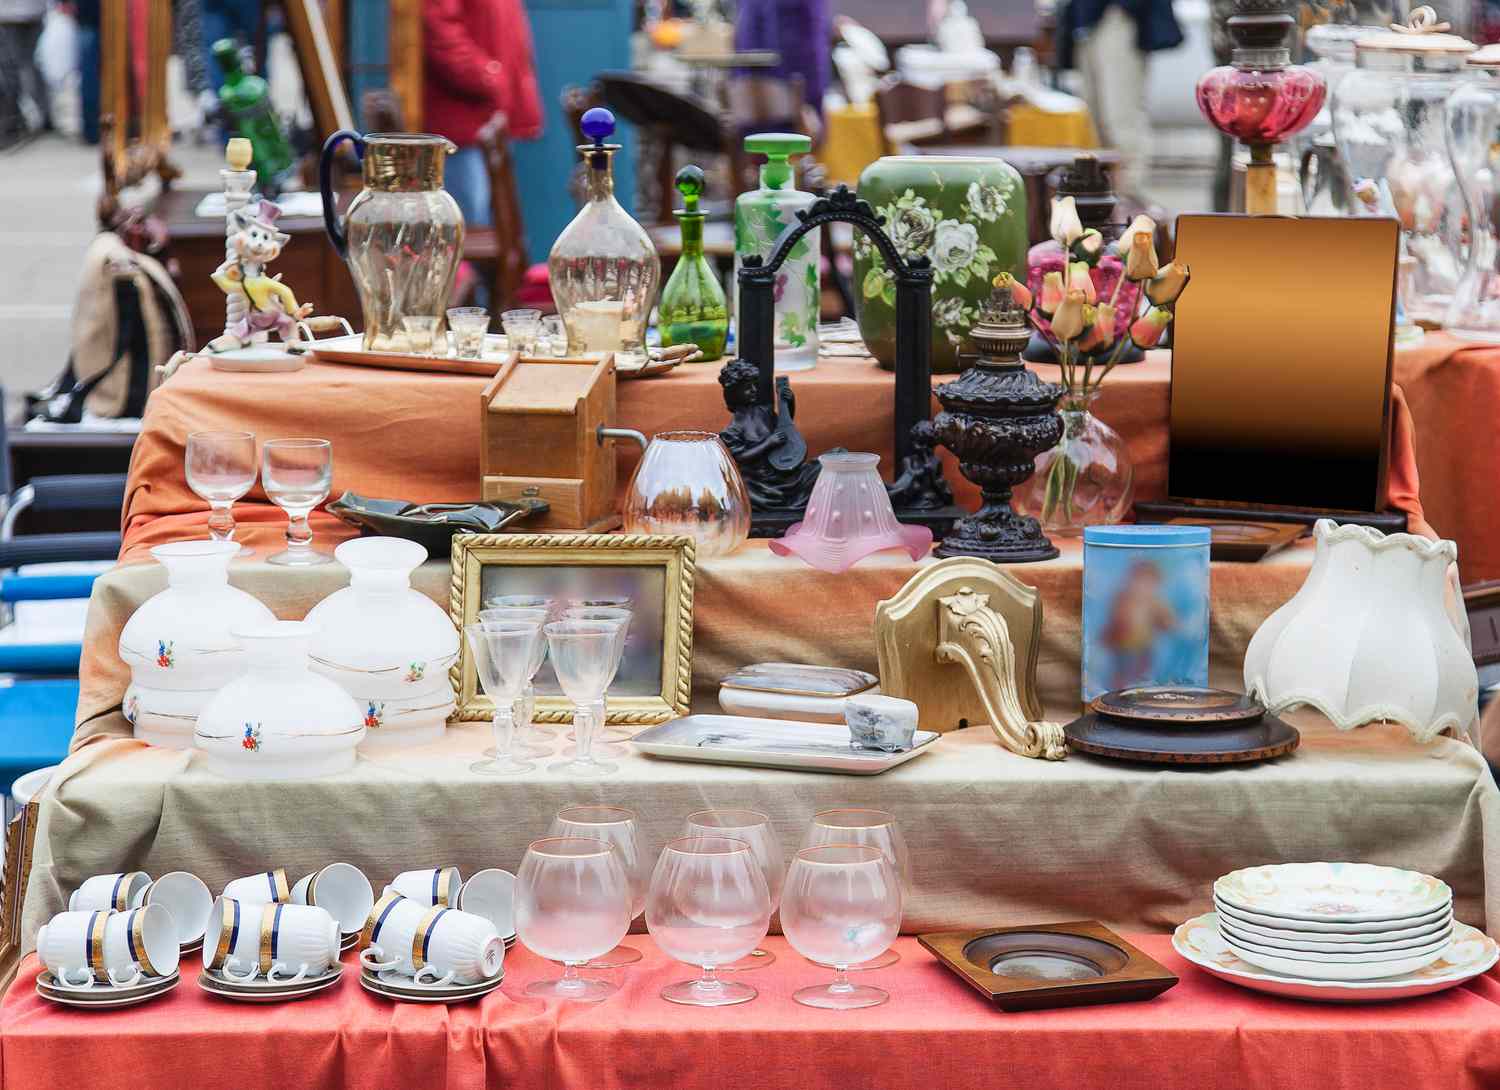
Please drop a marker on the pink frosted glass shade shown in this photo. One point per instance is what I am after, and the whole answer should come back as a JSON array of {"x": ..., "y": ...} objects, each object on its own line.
[
  {"x": 849, "y": 517},
  {"x": 1261, "y": 107}
]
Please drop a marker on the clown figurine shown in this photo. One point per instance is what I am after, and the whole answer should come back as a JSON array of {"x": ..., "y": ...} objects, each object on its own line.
[{"x": 258, "y": 303}]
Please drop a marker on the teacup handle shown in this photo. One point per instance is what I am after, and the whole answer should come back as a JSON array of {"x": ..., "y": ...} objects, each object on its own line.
[
  {"x": 436, "y": 981},
  {"x": 369, "y": 958},
  {"x": 280, "y": 967},
  {"x": 245, "y": 979},
  {"x": 63, "y": 978},
  {"x": 135, "y": 977}
]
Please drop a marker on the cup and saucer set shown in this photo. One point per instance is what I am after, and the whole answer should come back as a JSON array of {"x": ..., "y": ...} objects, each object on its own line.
[{"x": 433, "y": 938}]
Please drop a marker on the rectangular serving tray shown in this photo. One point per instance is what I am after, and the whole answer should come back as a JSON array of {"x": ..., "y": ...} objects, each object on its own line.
[
  {"x": 770, "y": 743},
  {"x": 351, "y": 350}
]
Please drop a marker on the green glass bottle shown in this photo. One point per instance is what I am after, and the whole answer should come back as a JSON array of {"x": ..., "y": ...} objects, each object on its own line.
[
  {"x": 247, "y": 103},
  {"x": 692, "y": 309}
]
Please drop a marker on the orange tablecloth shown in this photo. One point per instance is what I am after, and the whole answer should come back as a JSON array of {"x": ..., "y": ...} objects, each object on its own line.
[
  {"x": 933, "y": 1033},
  {"x": 400, "y": 434}
]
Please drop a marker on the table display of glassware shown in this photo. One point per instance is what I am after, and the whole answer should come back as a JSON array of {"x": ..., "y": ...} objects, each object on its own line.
[
  {"x": 386, "y": 644},
  {"x": 760, "y": 216},
  {"x": 296, "y": 475},
  {"x": 530, "y": 740},
  {"x": 686, "y": 483},
  {"x": 220, "y": 467},
  {"x": 572, "y": 905},
  {"x": 603, "y": 269},
  {"x": 872, "y": 828},
  {"x": 754, "y": 829},
  {"x": 1472, "y": 115},
  {"x": 179, "y": 644},
  {"x": 708, "y": 906},
  {"x": 841, "y": 906},
  {"x": 503, "y": 654},
  {"x": 1388, "y": 124},
  {"x": 692, "y": 309},
  {"x": 618, "y": 828}
]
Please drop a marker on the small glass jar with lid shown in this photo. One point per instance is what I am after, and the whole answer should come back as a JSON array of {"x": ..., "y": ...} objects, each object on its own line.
[
  {"x": 1388, "y": 124},
  {"x": 1326, "y": 189},
  {"x": 1473, "y": 120}
]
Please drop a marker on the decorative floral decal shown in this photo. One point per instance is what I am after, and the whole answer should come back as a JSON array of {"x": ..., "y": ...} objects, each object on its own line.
[
  {"x": 415, "y": 672},
  {"x": 373, "y": 713},
  {"x": 251, "y": 739},
  {"x": 132, "y": 708},
  {"x": 164, "y": 656},
  {"x": 985, "y": 202}
]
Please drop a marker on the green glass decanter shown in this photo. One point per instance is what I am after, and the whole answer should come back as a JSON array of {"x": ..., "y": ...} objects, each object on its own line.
[
  {"x": 692, "y": 309},
  {"x": 247, "y": 103}
]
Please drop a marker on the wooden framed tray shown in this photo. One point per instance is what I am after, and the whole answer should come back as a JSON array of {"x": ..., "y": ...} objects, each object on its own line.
[
  {"x": 1038, "y": 966},
  {"x": 771, "y": 743}
]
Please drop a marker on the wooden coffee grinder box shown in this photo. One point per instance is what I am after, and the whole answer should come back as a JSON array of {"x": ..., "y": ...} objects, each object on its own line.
[{"x": 539, "y": 437}]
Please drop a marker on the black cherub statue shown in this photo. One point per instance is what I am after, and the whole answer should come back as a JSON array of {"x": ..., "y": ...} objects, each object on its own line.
[{"x": 764, "y": 441}]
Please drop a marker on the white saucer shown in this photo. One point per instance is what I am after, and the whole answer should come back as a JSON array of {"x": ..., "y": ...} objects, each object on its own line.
[
  {"x": 215, "y": 985},
  {"x": 105, "y": 996},
  {"x": 404, "y": 989},
  {"x": 261, "y": 986},
  {"x": 348, "y": 942},
  {"x": 260, "y": 358}
]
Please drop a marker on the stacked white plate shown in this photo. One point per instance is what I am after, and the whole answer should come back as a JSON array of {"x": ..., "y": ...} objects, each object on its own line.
[{"x": 261, "y": 990}]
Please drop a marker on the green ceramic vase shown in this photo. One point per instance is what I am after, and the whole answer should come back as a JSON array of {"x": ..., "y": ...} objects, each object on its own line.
[{"x": 967, "y": 215}]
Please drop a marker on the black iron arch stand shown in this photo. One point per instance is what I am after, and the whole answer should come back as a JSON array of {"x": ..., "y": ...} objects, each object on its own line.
[{"x": 919, "y": 493}]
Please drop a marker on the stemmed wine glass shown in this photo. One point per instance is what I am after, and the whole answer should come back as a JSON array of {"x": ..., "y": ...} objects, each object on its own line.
[
  {"x": 220, "y": 467},
  {"x": 528, "y": 740},
  {"x": 875, "y": 828},
  {"x": 708, "y": 906},
  {"x": 841, "y": 906},
  {"x": 755, "y": 830},
  {"x": 604, "y": 734},
  {"x": 583, "y": 657},
  {"x": 572, "y": 904},
  {"x": 524, "y": 601},
  {"x": 297, "y": 474},
  {"x": 616, "y": 827},
  {"x": 503, "y": 653}
]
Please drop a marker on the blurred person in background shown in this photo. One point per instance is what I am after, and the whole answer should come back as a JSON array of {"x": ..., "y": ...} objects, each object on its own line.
[
  {"x": 20, "y": 77},
  {"x": 799, "y": 32}
]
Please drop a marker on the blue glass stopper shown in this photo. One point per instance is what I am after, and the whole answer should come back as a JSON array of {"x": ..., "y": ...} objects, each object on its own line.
[{"x": 597, "y": 124}]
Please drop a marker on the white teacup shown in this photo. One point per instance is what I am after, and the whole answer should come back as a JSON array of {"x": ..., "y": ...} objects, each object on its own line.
[
  {"x": 186, "y": 897},
  {"x": 386, "y": 942},
  {"x": 267, "y": 887},
  {"x": 140, "y": 943},
  {"x": 453, "y": 947},
  {"x": 491, "y": 894},
  {"x": 435, "y": 886},
  {"x": 71, "y": 945},
  {"x": 280, "y": 942},
  {"x": 342, "y": 889},
  {"x": 112, "y": 892},
  {"x": 878, "y": 721}
]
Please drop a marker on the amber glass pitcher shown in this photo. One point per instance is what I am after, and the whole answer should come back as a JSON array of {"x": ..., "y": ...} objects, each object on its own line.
[{"x": 402, "y": 236}]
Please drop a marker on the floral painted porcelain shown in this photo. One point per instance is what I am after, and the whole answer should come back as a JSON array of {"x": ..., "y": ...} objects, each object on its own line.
[
  {"x": 1471, "y": 953},
  {"x": 1367, "y": 637},
  {"x": 1334, "y": 892},
  {"x": 279, "y": 721},
  {"x": 178, "y": 643},
  {"x": 385, "y": 644},
  {"x": 967, "y": 216}
]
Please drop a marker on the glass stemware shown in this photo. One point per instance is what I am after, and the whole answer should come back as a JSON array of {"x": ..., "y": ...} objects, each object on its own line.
[
  {"x": 503, "y": 653},
  {"x": 874, "y": 828},
  {"x": 841, "y": 906},
  {"x": 611, "y": 614},
  {"x": 708, "y": 905},
  {"x": 297, "y": 474},
  {"x": 220, "y": 467},
  {"x": 572, "y": 904},
  {"x": 529, "y": 739},
  {"x": 583, "y": 658},
  {"x": 754, "y": 829},
  {"x": 616, "y": 827}
]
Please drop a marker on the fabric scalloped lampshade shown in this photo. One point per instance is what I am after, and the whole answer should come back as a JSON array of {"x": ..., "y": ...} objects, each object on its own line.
[{"x": 849, "y": 517}]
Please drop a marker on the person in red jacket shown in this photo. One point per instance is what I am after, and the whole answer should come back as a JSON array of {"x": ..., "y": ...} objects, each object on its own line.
[{"x": 478, "y": 72}]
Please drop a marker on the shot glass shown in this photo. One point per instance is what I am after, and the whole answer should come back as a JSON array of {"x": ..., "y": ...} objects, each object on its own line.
[
  {"x": 469, "y": 325},
  {"x": 522, "y": 327}
]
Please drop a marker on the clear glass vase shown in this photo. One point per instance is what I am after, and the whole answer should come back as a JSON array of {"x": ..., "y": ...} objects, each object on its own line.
[
  {"x": 686, "y": 483},
  {"x": 1088, "y": 479}
]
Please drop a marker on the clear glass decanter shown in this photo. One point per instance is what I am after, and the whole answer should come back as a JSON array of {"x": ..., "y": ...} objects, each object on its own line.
[{"x": 603, "y": 268}]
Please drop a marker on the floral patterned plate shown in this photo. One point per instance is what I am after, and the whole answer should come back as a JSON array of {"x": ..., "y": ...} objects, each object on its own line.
[
  {"x": 1471, "y": 954},
  {"x": 1333, "y": 892}
]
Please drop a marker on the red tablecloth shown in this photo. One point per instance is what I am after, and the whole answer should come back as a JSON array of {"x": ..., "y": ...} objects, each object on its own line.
[{"x": 934, "y": 1034}]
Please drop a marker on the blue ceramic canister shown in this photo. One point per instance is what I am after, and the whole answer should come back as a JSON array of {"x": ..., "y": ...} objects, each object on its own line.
[{"x": 1145, "y": 607}]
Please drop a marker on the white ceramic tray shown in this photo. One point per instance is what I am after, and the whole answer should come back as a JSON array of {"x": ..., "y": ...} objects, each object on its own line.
[
  {"x": 770, "y": 743},
  {"x": 1472, "y": 953}
]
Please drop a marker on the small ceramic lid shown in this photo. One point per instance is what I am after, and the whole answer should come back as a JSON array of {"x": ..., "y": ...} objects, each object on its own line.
[
  {"x": 1421, "y": 36},
  {"x": 799, "y": 679},
  {"x": 1146, "y": 536},
  {"x": 1184, "y": 704},
  {"x": 1485, "y": 57}
]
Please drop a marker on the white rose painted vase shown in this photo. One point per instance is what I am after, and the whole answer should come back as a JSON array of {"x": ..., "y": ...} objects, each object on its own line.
[{"x": 965, "y": 215}]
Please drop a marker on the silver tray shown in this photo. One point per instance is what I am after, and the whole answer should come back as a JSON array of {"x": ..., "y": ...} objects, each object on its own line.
[{"x": 770, "y": 743}]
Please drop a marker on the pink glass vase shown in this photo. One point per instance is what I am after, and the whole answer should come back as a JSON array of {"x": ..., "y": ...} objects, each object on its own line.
[
  {"x": 1261, "y": 106},
  {"x": 849, "y": 517}
]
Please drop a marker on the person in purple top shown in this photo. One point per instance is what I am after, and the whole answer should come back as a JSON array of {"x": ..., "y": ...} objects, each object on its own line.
[{"x": 801, "y": 31}]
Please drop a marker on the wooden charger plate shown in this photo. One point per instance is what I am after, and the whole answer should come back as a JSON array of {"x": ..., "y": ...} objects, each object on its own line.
[
  {"x": 1175, "y": 743},
  {"x": 1185, "y": 704}
]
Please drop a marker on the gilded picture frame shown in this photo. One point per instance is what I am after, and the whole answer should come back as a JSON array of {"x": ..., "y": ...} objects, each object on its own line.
[{"x": 655, "y": 571}]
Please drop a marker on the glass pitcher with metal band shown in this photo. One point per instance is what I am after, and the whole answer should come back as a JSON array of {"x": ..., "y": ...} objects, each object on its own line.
[{"x": 402, "y": 237}]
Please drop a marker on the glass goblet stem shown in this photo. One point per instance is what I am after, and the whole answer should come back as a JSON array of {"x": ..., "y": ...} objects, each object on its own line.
[
  {"x": 299, "y": 532},
  {"x": 221, "y": 520}
]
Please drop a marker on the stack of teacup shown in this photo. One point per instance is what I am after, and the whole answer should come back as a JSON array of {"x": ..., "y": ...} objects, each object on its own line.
[
  {"x": 1334, "y": 921},
  {"x": 422, "y": 943}
]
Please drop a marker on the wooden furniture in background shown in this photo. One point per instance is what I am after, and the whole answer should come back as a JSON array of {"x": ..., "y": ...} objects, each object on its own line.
[
  {"x": 135, "y": 135},
  {"x": 318, "y": 60},
  {"x": 915, "y": 116},
  {"x": 406, "y": 59}
]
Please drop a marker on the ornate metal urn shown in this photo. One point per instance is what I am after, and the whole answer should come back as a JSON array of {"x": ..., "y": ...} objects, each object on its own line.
[{"x": 997, "y": 417}]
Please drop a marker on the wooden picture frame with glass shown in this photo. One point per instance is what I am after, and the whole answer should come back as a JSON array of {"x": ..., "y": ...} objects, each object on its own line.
[{"x": 656, "y": 571}]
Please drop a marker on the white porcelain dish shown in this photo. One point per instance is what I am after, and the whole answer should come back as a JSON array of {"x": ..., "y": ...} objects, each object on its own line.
[
  {"x": 47, "y": 985},
  {"x": 1337, "y": 966},
  {"x": 261, "y": 986},
  {"x": 770, "y": 743},
  {"x": 215, "y": 985},
  {"x": 1334, "y": 945},
  {"x": 109, "y": 998},
  {"x": 1367, "y": 928},
  {"x": 1336, "y": 893},
  {"x": 793, "y": 690},
  {"x": 402, "y": 989}
]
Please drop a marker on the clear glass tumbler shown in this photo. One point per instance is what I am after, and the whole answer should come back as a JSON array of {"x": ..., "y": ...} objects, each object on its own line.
[
  {"x": 841, "y": 906},
  {"x": 754, "y": 828},
  {"x": 297, "y": 474},
  {"x": 220, "y": 467},
  {"x": 875, "y": 828},
  {"x": 469, "y": 325},
  {"x": 572, "y": 904},
  {"x": 618, "y": 828},
  {"x": 522, "y": 328}
]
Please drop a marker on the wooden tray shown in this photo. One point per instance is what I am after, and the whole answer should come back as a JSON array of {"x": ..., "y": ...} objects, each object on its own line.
[
  {"x": 1050, "y": 965},
  {"x": 1182, "y": 744},
  {"x": 1244, "y": 541}
]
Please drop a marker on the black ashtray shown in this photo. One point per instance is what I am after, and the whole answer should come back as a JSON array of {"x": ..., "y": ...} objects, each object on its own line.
[{"x": 432, "y": 525}]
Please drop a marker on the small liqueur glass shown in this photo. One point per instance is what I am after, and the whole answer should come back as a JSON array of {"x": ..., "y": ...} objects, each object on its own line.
[
  {"x": 529, "y": 740},
  {"x": 220, "y": 467},
  {"x": 583, "y": 658},
  {"x": 572, "y": 904},
  {"x": 841, "y": 906},
  {"x": 754, "y": 828},
  {"x": 297, "y": 474},
  {"x": 469, "y": 325},
  {"x": 522, "y": 328},
  {"x": 708, "y": 906},
  {"x": 421, "y": 333},
  {"x": 618, "y": 828},
  {"x": 503, "y": 653},
  {"x": 554, "y": 338},
  {"x": 604, "y": 734},
  {"x": 876, "y": 829}
]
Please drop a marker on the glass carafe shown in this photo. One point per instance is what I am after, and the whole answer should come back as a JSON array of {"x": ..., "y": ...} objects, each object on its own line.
[
  {"x": 402, "y": 236},
  {"x": 603, "y": 268},
  {"x": 1473, "y": 120}
]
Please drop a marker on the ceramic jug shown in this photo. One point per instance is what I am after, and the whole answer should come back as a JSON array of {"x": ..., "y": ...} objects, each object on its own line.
[{"x": 402, "y": 236}]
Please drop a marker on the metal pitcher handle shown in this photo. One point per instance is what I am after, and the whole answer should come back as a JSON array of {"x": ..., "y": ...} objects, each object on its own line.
[{"x": 331, "y": 222}]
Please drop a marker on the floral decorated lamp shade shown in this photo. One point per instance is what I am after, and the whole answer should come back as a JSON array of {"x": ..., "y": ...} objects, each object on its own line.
[{"x": 965, "y": 215}]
